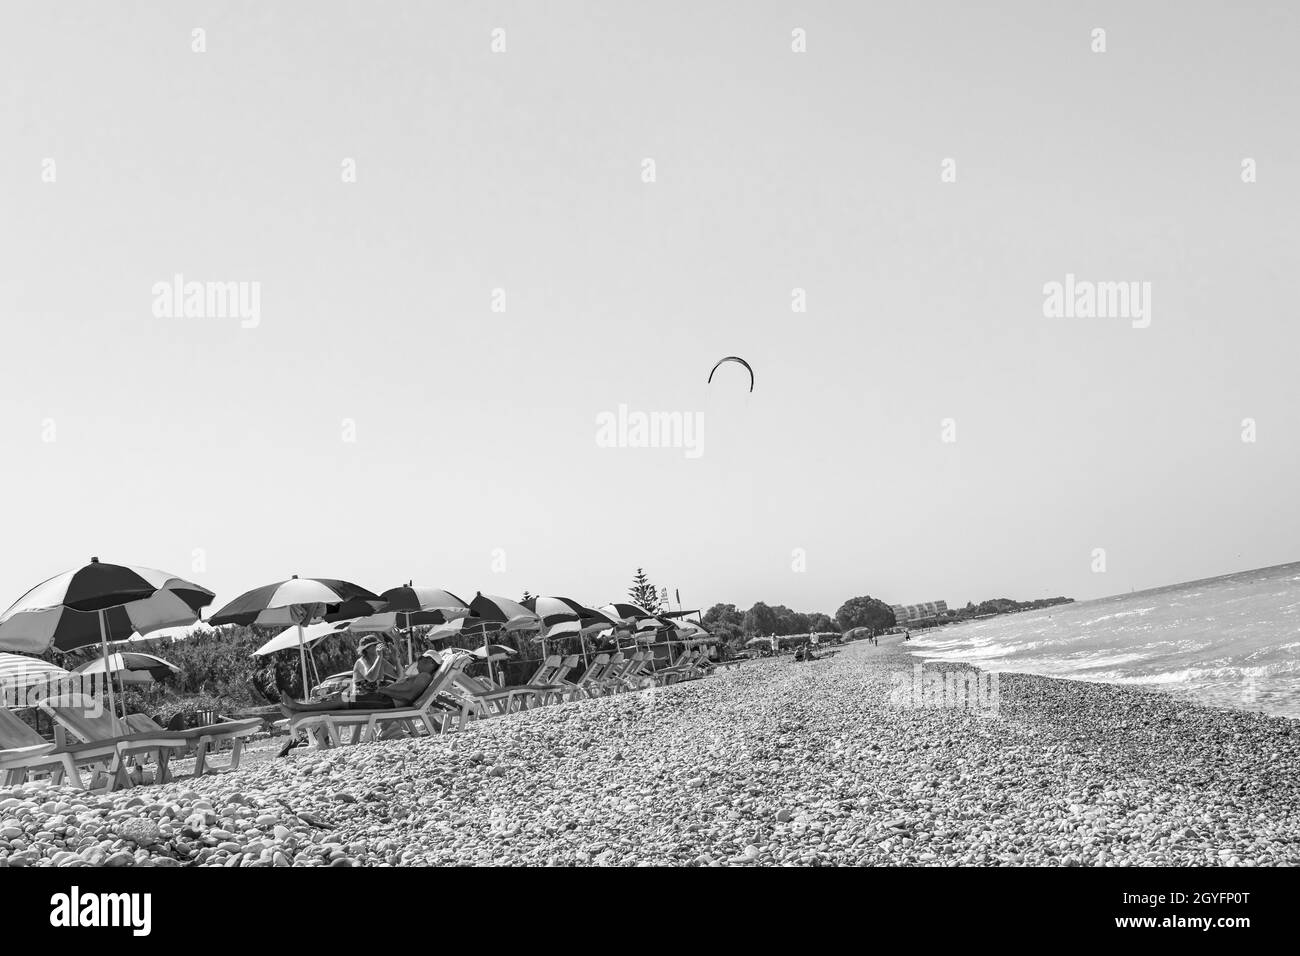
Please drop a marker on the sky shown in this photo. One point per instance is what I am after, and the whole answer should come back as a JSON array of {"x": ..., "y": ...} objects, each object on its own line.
[{"x": 921, "y": 431}]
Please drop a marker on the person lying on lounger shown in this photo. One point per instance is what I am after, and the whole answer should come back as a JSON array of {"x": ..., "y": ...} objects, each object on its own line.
[{"x": 402, "y": 693}]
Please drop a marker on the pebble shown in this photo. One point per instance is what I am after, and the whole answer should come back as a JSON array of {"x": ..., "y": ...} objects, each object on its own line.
[{"x": 770, "y": 763}]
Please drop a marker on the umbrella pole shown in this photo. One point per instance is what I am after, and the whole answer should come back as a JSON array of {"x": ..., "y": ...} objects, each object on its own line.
[
  {"x": 410, "y": 653},
  {"x": 121, "y": 692},
  {"x": 302, "y": 659},
  {"x": 488, "y": 655},
  {"x": 108, "y": 677}
]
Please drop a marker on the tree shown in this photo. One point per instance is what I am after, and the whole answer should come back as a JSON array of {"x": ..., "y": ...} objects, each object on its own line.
[
  {"x": 790, "y": 622},
  {"x": 527, "y": 596},
  {"x": 642, "y": 593},
  {"x": 817, "y": 621},
  {"x": 865, "y": 611},
  {"x": 760, "y": 619},
  {"x": 724, "y": 621}
]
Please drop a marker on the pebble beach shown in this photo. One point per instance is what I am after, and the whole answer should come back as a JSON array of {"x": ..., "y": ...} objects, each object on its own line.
[{"x": 771, "y": 762}]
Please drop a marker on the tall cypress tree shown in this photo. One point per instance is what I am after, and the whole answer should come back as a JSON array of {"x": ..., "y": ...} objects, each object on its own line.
[{"x": 642, "y": 592}]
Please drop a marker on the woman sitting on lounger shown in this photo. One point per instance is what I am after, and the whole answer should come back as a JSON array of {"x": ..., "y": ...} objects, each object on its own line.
[
  {"x": 402, "y": 693},
  {"x": 370, "y": 669}
]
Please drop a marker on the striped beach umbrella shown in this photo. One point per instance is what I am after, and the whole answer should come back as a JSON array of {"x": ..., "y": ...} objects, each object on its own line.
[
  {"x": 409, "y": 598},
  {"x": 559, "y": 610},
  {"x": 627, "y": 613},
  {"x": 297, "y": 602},
  {"x": 66, "y": 612},
  {"x": 416, "y": 605},
  {"x": 510, "y": 615},
  {"x": 18, "y": 673},
  {"x": 565, "y": 617},
  {"x": 59, "y": 611},
  {"x": 461, "y": 627}
]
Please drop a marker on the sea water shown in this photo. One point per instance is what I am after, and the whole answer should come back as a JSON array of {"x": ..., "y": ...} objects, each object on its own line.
[{"x": 1232, "y": 641}]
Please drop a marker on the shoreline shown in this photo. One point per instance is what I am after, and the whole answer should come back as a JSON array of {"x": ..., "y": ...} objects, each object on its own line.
[
  {"x": 770, "y": 763},
  {"x": 1187, "y": 697}
]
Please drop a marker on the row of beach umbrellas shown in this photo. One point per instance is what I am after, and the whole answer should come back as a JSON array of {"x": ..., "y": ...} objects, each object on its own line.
[{"x": 103, "y": 604}]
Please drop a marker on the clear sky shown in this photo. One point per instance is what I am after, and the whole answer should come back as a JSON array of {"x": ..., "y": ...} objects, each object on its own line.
[{"x": 141, "y": 438}]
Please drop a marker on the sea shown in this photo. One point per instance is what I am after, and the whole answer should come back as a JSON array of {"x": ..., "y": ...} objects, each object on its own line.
[{"x": 1231, "y": 641}]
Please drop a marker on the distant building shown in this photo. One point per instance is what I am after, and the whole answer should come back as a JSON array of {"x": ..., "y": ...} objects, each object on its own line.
[{"x": 908, "y": 614}]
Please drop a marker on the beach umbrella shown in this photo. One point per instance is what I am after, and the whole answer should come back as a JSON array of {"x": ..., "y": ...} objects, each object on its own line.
[
  {"x": 170, "y": 634},
  {"x": 627, "y": 613},
  {"x": 561, "y": 610},
  {"x": 66, "y": 611},
  {"x": 349, "y": 610},
  {"x": 410, "y": 598},
  {"x": 563, "y": 616},
  {"x": 510, "y": 615},
  {"x": 19, "y": 672},
  {"x": 97, "y": 602},
  {"x": 417, "y": 605},
  {"x": 493, "y": 652},
  {"x": 132, "y": 667},
  {"x": 288, "y": 638},
  {"x": 297, "y": 602}
]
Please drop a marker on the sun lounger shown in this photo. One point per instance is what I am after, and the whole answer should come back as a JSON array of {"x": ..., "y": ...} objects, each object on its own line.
[
  {"x": 559, "y": 687},
  {"x": 600, "y": 684},
  {"x": 91, "y": 724},
  {"x": 206, "y": 740},
  {"x": 489, "y": 700},
  {"x": 685, "y": 668},
  {"x": 640, "y": 675},
  {"x": 26, "y": 753},
  {"x": 434, "y": 711},
  {"x": 545, "y": 673},
  {"x": 599, "y": 664},
  {"x": 618, "y": 677}
]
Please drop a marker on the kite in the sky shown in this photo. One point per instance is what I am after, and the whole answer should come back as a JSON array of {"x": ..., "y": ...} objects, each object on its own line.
[{"x": 735, "y": 358}]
